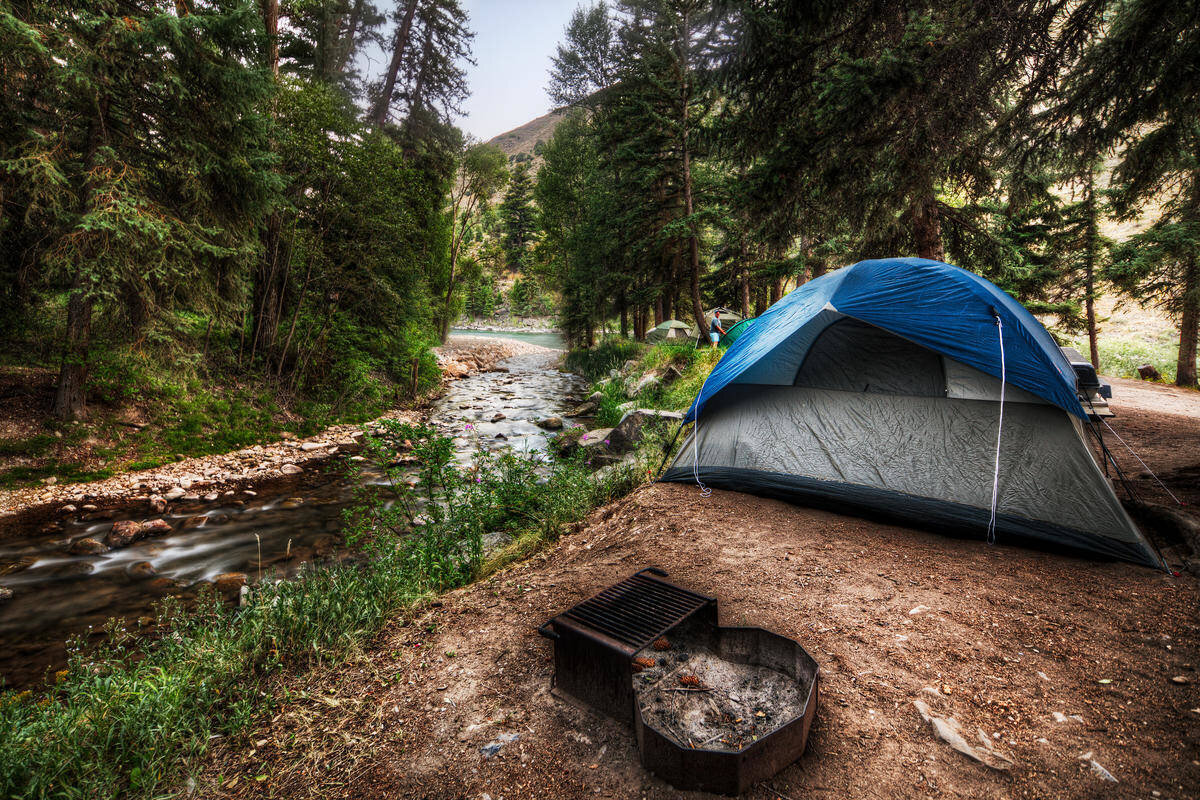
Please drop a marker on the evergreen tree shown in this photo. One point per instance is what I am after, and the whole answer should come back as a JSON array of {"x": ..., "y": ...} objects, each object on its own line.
[
  {"x": 519, "y": 217},
  {"x": 137, "y": 181},
  {"x": 1135, "y": 89},
  {"x": 586, "y": 62}
]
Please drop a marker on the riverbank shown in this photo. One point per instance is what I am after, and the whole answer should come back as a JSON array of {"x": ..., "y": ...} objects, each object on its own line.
[
  {"x": 256, "y": 467},
  {"x": 1062, "y": 662}
]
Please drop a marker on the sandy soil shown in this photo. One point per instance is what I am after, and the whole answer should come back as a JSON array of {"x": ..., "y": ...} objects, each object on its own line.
[{"x": 1007, "y": 640}]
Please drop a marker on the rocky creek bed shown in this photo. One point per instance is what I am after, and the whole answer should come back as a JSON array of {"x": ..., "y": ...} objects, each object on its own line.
[{"x": 74, "y": 557}]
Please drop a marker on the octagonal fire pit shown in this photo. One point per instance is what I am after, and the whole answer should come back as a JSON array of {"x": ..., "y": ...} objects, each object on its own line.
[{"x": 713, "y": 708}]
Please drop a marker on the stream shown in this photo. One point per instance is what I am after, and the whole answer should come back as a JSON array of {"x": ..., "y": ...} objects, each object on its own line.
[{"x": 57, "y": 595}]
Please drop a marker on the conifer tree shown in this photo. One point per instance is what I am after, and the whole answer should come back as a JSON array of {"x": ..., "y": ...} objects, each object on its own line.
[{"x": 519, "y": 217}]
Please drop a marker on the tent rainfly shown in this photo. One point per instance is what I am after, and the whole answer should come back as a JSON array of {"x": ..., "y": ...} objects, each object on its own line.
[
  {"x": 877, "y": 389},
  {"x": 672, "y": 329},
  {"x": 735, "y": 333}
]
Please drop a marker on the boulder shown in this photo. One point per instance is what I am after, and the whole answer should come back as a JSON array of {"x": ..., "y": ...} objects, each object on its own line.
[
  {"x": 123, "y": 532},
  {"x": 229, "y": 581},
  {"x": 155, "y": 527},
  {"x": 141, "y": 570},
  {"x": 87, "y": 546},
  {"x": 632, "y": 427},
  {"x": 644, "y": 383},
  {"x": 1147, "y": 372},
  {"x": 583, "y": 410},
  {"x": 158, "y": 505},
  {"x": 550, "y": 423}
]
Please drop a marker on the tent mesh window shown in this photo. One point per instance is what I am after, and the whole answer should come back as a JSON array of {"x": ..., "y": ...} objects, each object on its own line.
[{"x": 853, "y": 356}]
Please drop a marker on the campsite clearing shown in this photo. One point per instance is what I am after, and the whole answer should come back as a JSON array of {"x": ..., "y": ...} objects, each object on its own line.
[{"x": 1052, "y": 657}]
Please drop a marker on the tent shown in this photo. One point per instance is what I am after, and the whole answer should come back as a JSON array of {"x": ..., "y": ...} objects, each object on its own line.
[
  {"x": 876, "y": 390},
  {"x": 734, "y": 333},
  {"x": 670, "y": 330}
]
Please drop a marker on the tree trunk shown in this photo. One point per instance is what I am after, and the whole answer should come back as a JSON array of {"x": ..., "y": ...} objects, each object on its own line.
[
  {"x": 658, "y": 309},
  {"x": 270, "y": 277},
  {"x": 383, "y": 103},
  {"x": 271, "y": 24},
  {"x": 776, "y": 290},
  {"x": 927, "y": 228},
  {"x": 745, "y": 287},
  {"x": 689, "y": 207},
  {"x": 1089, "y": 268},
  {"x": 624, "y": 314},
  {"x": 1189, "y": 323},
  {"x": 69, "y": 399}
]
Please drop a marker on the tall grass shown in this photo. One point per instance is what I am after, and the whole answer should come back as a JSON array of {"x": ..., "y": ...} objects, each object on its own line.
[
  {"x": 130, "y": 718},
  {"x": 1121, "y": 356}
]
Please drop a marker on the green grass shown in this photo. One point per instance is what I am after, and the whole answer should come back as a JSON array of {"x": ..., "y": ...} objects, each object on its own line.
[
  {"x": 1120, "y": 357},
  {"x": 132, "y": 718}
]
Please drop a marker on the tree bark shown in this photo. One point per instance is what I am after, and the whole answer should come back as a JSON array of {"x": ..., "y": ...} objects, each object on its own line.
[
  {"x": 383, "y": 103},
  {"x": 1189, "y": 327},
  {"x": 1089, "y": 270},
  {"x": 927, "y": 228},
  {"x": 271, "y": 23},
  {"x": 745, "y": 294},
  {"x": 689, "y": 207},
  {"x": 70, "y": 401}
]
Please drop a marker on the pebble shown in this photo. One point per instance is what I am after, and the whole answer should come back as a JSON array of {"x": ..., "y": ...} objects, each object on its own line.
[
  {"x": 1180, "y": 679},
  {"x": 211, "y": 496},
  {"x": 175, "y": 493},
  {"x": 5, "y": 594},
  {"x": 291, "y": 469}
]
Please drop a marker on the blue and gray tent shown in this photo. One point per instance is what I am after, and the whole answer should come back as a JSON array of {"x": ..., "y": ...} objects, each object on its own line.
[{"x": 876, "y": 390}]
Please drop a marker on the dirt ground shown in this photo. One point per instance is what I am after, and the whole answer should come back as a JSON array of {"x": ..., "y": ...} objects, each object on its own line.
[{"x": 1053, "y": 657}]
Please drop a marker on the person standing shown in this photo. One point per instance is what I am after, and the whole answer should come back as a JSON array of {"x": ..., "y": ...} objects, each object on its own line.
[{"x": 715, "y": 331}]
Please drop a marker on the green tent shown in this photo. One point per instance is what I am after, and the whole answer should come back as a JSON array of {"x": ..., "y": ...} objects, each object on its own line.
[
  {"x": 671, "y": 330},
  {"x": 732, "y": 334}
]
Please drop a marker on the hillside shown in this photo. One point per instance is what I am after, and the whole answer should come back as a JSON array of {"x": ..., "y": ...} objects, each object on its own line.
[{"x": 523, "y": 139}]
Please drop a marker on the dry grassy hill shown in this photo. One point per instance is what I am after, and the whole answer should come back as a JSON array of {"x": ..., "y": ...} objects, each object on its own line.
[{"x": 523, "y": 139}]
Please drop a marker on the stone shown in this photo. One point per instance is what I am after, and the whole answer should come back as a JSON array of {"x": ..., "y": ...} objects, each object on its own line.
[
  {"x": 644, "y": 383},
  {"x": 158, "y": 505},
  {"x": 50, "y": 481},
  {"x": 550, "y": 423},
  {"x": 632, "y": 427},
  {"x": 586, "y": 409},
  {"x": 67, "y": 509},
  {"x": 1148, "y": 372},
  {"x": 141, "y": 570},
  {"x": 87, "y": 546},
  {"x": 498, "y": 416},
  {"x": 123, "y": 532},
  {"x": 5, "y": 594},
  {"x": 187, "y": 480},
  {"x": 155, "y": 527},
  {"x": 1097, "y": 770},
  {"x": 949, "y": 731},
  {"x": 175, "y": 493},
  {"x": 230, "y": 581},
  {"x": 596, "y": 397},
  {"x": 211, "y": 496},
  {"x": 291, "y": 469},
  {"x": 308, "y": 447},
  {"x": 198, "y": 521}
]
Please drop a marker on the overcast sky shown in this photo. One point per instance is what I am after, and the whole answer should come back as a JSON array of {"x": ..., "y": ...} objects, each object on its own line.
[{"x": 514, "y": 40}]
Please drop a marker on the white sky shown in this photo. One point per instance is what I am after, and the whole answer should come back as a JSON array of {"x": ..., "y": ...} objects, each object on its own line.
[{"x": 514, "y": 40}]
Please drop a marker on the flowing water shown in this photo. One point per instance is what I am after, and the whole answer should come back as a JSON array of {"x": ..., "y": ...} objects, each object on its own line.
[{"x": 57, "y": 595}]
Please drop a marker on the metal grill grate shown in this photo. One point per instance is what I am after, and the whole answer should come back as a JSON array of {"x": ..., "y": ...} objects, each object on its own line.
[{"x": 637, "y": 610}]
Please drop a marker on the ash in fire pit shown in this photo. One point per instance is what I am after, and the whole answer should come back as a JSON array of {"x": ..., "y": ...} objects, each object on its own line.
[{"x": 699, "y": 699}]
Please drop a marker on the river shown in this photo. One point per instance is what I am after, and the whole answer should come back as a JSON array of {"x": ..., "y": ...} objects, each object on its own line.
[{"x": 58, "y": 595}]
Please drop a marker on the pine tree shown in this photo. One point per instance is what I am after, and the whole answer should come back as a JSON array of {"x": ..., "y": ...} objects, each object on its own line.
[
  {"x": 519, "y": 217},
  {"x": 1135, "y": 90},
  {"x": 140, "y": 181}
]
